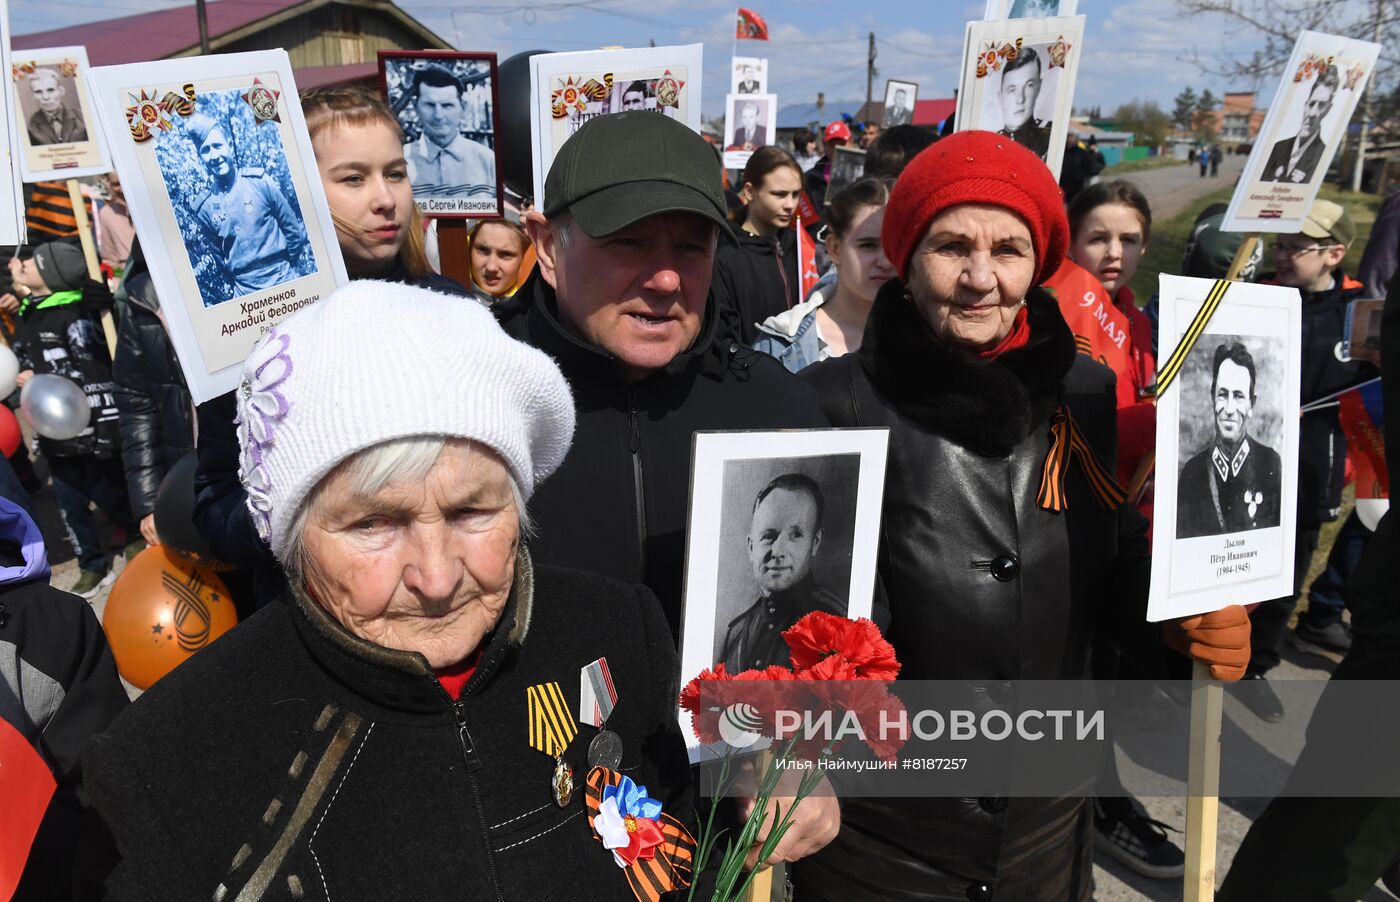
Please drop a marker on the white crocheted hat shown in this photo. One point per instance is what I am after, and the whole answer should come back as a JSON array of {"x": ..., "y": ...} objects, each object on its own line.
[{"x": 378, "y": 361}]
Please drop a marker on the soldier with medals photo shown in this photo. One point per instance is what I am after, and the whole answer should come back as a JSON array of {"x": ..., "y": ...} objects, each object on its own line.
[
  {"x": 1019, "y": 91},
  {"x": 1232, "y": 485}
]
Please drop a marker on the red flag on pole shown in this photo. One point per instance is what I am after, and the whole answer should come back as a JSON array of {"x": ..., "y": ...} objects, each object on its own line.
[
  {"x": 750, "y": 26},
  {"x": 807, "y": 275},
  {"x": 26, "y": 785}
]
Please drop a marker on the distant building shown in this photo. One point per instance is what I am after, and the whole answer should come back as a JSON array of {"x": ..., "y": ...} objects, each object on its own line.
[
  {"x": 1237, "y": 120},
  {"x": 328, "y": 41}
]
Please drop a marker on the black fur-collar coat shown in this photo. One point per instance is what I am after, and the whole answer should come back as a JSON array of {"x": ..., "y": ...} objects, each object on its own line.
[{"x": 982, "y": 584}]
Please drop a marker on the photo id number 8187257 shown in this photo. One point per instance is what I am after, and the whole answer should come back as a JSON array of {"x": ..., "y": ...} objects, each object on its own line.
[{"x": 933, "y": 763}]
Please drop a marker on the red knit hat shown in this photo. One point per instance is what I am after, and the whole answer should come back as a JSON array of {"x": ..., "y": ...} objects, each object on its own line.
[{"x": 976, "y": 168}]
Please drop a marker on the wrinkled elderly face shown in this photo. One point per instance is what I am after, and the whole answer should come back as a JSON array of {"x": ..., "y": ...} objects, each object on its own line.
[
  {"x": 970, "y": 273},
  {"x": 1234, "y": 401},
  {"x": 639, "y": 294},
  {"x": 424, "y": 567},
  {"x": 783, "y": 539},
  {"x": 48, "y": 90}
]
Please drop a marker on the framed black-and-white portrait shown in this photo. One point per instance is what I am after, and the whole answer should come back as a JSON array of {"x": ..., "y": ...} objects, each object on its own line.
[
  {"x": 750, "y": 122},
  {"x": 218, "y": 171},
  {"x": 1029, "y": 9},
  {"x": 57, "y": 136},
  {"x": 1325, "y": 78},
  {"x": 781, "y": 524},
  {"x": 1018, "y": 80},
  {"x": 899, "y": 102},
  {"x": 1227, "y": 447},
  {"x": 748, "y": 75},
  {"x": 847, "y": 165},
  {"x": 446, "y": 104}
]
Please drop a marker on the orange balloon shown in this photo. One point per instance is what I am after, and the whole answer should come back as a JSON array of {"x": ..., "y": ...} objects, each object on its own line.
[
  {"x": 161, "y": 610},
  {"x": 10, "y": 436}
]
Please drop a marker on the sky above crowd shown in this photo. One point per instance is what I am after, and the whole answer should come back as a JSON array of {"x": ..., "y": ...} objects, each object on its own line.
[{"x": 1133, "y": 49}]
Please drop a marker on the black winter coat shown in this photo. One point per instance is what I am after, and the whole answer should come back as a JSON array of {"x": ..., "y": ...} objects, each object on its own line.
[
  {"x": 154, "y": 410},
  {"x": 1322, "y": 446},
  {"x": 67, "y": 340},
  {"x": 753, "y": 280},
  {"x": 293, "y": 756},
  {"x": 982, "y": 585},
  {"x": 58, "y": 687},
  {"x": 220, "y": 507},
  {"x": 618, "y": 504}
]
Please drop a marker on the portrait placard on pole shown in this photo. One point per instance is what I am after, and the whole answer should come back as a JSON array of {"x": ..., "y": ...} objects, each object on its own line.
[
  {"x": 219, "y": 173},
  {"x": 1227, "y": 445},
  {"x": 781, "y": 524},
  {"x": 1018, "y": 80},
  {"x": 11, "y": 194},
  {"x": 1306, "y": 123},
  {"x": 58, "y": 137},
  {"x": 568, "y": 89},
  {"x": 447, "y": 106}
]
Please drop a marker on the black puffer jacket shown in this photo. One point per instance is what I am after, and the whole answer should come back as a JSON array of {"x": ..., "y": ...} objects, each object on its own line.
[
  {"x": 292, "y": 760},
  {"x": 220, "y": 508},
  {"x": 982, "y": 585},
  {"x": 753, "y": 280},
  {"x": 154, "y": 410},
  {"x": 618, "y": 504}
]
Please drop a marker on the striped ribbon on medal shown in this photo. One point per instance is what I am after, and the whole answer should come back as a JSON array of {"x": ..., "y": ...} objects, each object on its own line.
[
  {"x": 1169, "y": 370},
  {"x": 670, "y": 869},
  {"x": 597, "y": 694},
  {"x": 552, "y": 725},
  {"x": 1067, "y": 441}
]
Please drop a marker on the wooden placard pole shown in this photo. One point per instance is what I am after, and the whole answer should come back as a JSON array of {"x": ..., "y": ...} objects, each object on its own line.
[
  {"x": 1203, "y": 764},
  {"x": 453, "y": 257},
  {"x": 75, "y": 197}
]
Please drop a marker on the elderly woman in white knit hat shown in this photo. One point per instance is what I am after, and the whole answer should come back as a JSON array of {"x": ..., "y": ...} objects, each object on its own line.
[{"x": 427, "y": 715}]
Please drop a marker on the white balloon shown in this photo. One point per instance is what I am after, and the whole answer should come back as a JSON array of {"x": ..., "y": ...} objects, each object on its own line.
[
  {"x": 9, "y": 371},
  {"x": 56, "y": 407}
]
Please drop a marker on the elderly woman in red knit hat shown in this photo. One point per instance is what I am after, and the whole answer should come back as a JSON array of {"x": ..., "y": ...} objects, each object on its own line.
[{"x": 1001, "y": 553}]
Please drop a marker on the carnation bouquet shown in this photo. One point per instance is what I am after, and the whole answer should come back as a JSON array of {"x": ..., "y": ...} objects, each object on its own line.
[{"x": 839, "y": 670}]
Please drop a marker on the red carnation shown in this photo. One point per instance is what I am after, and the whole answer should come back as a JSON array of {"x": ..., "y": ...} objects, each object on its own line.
[
  {"x": 704, "y": 703},
  {"x": 819, "y": 636}
]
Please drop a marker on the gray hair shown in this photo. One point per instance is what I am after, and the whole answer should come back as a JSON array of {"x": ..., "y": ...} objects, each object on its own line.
[
  {"x": 401, "y": 460},
  {"x": 561, "y": 225}
]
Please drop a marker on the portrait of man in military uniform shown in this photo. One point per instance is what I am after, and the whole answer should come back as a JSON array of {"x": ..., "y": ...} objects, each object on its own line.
[
  {"x": 1235, "y": 483},
  {"x": 256, "y": 235},
  {"x": 1020, "y": 89},
  {"x": 1295, "y": 159},
  {"x": 784, "y": 541},
  {"x": 55, "y": 121},
  {"x": 443, "y": 160}
]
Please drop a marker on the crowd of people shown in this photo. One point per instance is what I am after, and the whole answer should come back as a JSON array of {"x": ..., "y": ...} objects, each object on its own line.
[{"x": 440, "y": 497}]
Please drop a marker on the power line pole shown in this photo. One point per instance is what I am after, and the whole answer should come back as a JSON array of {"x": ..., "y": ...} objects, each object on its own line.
[
  {"x": 1365, "y": 115},
  {"x": 203, "y": 27},
  {"x": 869, "y": 72}
]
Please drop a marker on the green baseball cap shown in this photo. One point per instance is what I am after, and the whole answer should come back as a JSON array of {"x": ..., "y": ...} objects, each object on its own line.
[{"x": 622, "y": 168}]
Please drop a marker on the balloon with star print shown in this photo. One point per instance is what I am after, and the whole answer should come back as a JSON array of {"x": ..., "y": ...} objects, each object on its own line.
[{"x": 161, "y": 610}]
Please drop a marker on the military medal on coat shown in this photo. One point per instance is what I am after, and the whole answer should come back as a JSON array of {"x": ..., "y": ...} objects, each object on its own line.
[{"x": 551, "y": 729}]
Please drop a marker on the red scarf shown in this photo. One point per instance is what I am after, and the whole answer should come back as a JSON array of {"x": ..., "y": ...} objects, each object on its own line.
[{"x": 1018, "y": 336}]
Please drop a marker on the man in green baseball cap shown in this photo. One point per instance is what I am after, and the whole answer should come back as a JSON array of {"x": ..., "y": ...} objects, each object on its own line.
[{"x": 632, "y": 210}]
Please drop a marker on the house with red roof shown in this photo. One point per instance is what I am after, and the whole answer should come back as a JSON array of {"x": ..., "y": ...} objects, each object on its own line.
[{"x": 329, "y": 41}]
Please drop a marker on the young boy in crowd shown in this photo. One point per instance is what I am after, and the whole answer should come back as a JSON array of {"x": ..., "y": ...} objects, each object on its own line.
[
  {"x": 59, "y": 333},
  {"x": 1311, "y": 262}
]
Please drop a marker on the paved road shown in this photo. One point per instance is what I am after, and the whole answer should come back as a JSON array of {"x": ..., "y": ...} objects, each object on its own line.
[{"x": 1172, "y": 189}]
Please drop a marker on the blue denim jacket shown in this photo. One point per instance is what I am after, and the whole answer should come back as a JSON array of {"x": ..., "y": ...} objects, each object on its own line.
[{"x": 792, "y": 336}]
